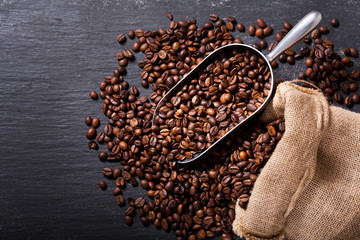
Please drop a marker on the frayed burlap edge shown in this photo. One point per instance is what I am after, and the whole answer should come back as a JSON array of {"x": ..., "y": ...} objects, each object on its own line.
[{"x": 249, "y": 235}]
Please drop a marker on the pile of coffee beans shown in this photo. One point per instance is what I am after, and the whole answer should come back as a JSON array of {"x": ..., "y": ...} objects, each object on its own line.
[
  {"x": 198, "y": 200},
  {"x": 222, "y": 95},
  {"x": 325, "y": 68}
]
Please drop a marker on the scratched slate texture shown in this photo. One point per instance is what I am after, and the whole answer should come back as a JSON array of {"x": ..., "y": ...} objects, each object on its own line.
[{"x": 52, "y": 53}]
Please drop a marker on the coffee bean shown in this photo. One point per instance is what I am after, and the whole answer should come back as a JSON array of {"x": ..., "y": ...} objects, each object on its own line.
[
  {"x": 259, "y": 32},
  {"x": 100, "y": 137},
  {"x": 348, "y": 101},
  {"x": 315, "y": 33},
  {"x": 107, "y": 172},
  {"x": 267, "y": 31},
  {"x": 108, "y": 130},
  {"x": 130, "y": 211},
  {"x": 92, "y": 145},
  {"x": 334, "y": 22},
  {"x": 213, "y": 17},
  {"x": 103, "y": 156},
  {"x": 338, "y": 97},
  {"x": 93, "y": 95},
  {"x": 169, "y": 16},
  {"x": 347, "y": 52},
  {"x": 116, "y": 191},
  {"x": 140, "y": 202},
  {"x": 95, "y": 122},
  {"x": 309, "y": 62},
  {"x": 102, "y": 185},
  {"x": 251, "y": 30},
  {"x": 126, "y": 175},
  {"x": 120, "y": 182},
  {"x": 88, "y": 121},
  {"x": 287, "y": 25},
  {"x": 136, "y": 46},
  {"x": 128, "y": 54},
  {"x": 164, "y": 224},
  {"x": 354, "y": 52},
  {"x": 323, "y": 30},
  {"x": 282, "y": 57},
  {"x": 120, "y": 200},
  {"x": 116, "y": 173},
  {"x": 121, "y": 38},
  {"x": 133, "y": 182},
  {"x": 346, "y": 60},
  {"x": 131, "y": 34},
  {"x": 355, "y": 98},
  {"x": 261, "y": 23},
  {"x": 278, "y": 37},
  {"x": 128, "y": 220},
  {"x": 240, "y": 27},
  {"x": 91, "y": 133}
]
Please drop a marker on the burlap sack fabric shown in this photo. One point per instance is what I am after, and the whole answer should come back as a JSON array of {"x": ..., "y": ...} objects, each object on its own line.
[{"x": 310, "y": 187}]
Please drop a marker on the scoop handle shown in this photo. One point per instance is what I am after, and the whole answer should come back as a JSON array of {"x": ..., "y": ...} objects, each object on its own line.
[{"x": 303, "y": 27}]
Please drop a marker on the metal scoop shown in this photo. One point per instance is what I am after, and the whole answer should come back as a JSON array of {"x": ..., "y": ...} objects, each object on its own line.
[{"x": 300, "y": 30}]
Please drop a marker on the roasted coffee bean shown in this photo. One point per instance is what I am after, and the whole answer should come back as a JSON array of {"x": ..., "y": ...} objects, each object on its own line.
[
  {"x": 126, "y": 175},
  {"x": 261, "y": 23},
  {"x": 107, "y": 172},
  {"x": 240, "y": 27},
  {"x": 95, "y": 122},
  {"x": 102, "y": 185},
  {"x": 287, "y": 25},
  {"x": 251, "y": 30},
  {"x": 213, "y": 17},
  {"x": 315, "y": 33},
  {"x": 93, "y": 145},
  {"x": 323, "y": 30},
  {"x": 129, "y": 220},
  {"x": 120, "y": 200},
  {"x": 108, "y": 130},
  {"x": 334, "y": 22},
  {"x": 100, "y": 137},
  {"x": 131, "y": 34},
  {"x": 169, "y": 16},
  {"x": 133, "y": 182},
  {"x": 348, "y": 101},
  {"x": 267, "y": 31},
  {"x": 140, "y": 202},
  {"x": 116, "y": 191},
  {"x": 347, "y": 51},
  {"x": 93, "y": 95},
  {"x": 338, "y": 97},
  {"x": 346, "y": 60},
  {"x": 116, "y": 173},
  {"x": 91, "y": 133},
  {"x": 130, "y": 211},
  {"x": 128, "y": 54},
  {"x": 121, "y": 38},
  {"x": 278, "y": 37},
  {"x": 88, "y": 121},
  {"x": 355, "y": 98},
  {"x": 103, "y": 156},
  {"x": 354, "y": 52},
  {"x": 259, "y": 32}
]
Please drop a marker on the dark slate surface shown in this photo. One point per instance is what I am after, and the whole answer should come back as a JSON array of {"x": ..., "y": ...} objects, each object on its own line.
[{"x": 52, "y": 53}]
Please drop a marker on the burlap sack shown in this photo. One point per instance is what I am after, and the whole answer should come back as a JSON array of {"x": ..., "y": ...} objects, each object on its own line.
[{"x": 310, "y": 187}]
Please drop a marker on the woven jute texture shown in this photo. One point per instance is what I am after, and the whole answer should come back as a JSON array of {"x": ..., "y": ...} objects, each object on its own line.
[{"x": 310, "y": 187}]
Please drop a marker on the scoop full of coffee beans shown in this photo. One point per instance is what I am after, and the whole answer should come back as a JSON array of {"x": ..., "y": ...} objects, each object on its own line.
[{"x": 225, "y": 93}]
